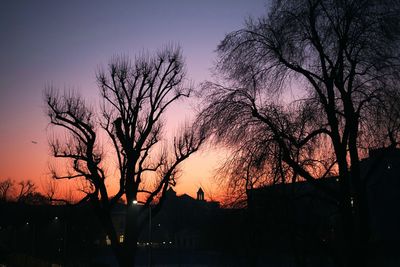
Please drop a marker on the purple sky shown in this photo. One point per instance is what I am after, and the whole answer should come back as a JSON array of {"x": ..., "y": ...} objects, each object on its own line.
[{"x": 63, "y": 43}]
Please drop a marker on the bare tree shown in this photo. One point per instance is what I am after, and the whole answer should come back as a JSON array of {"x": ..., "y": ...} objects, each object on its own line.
[
  {"x": 50, "y": 188},
  {"x": 23, "y": 192},
  {"x": 6, "y": 188},
  {"x": 51, "y": 191},
  {"x": 382, "y": 127},
  {"x": 26, "y": 188},
  {"x": 135, "y": 97},
  {"x": 257, "y": 152},
  {"x": 342, "y": 55},
  {"x": 252, "y": 163}
]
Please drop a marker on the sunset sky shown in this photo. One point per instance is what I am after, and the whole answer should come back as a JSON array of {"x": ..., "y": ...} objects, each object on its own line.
[{"x": 63, "y": 43}]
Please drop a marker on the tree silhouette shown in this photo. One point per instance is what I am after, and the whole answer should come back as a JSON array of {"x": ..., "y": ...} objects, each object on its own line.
[
  {"x": 135, "y": 96},
  {"x": 384, "y": 127},
  {"x": 26, "y": 189},
  {"x": 342, "y": 56},
  {"x": 6, "y": 188},
  {"x": 22, "y": 192}
]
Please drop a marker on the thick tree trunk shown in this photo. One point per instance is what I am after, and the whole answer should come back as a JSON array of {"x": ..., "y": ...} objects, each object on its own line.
[
  {"x": 361, "y": 214},
  {"x": 108, "y": 226},
  {"x": 354, "y": 211},
  {"x": 345, "y": 204},
  {"x": 131, "y": 236}
]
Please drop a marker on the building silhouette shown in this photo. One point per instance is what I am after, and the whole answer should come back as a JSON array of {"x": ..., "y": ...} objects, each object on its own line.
[
  {"x": 284, "y": 224},
  {"x": 301, "y": 223}
]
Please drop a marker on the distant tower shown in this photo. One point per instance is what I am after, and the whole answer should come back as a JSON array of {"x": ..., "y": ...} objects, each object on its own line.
[{"x": 200, "y": 194}]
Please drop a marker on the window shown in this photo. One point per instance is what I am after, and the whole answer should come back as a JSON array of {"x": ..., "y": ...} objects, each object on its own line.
[{"x": 121, "y": 238}]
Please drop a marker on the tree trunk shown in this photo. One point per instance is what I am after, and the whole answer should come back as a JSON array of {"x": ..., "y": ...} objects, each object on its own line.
[
  {"x": 361, "y": 218},
  {"x": 131, "y": 236},
  {"x": 105, "y": 219},
  {"x": 345, "y": 208}
]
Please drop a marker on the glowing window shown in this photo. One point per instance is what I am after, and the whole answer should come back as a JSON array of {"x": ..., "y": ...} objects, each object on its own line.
[{"x": 121, "y": 238}]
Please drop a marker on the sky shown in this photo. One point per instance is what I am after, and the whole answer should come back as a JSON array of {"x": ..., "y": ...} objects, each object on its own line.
[{"x": 63, "y": 44}]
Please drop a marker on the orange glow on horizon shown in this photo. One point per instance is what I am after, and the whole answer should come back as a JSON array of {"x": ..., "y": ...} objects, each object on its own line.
[{"x": 45, "y": 47}]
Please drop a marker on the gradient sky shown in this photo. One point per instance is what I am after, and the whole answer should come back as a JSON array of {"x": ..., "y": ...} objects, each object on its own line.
[{"x": 63, "y": 43}]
